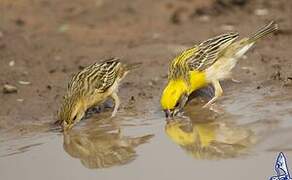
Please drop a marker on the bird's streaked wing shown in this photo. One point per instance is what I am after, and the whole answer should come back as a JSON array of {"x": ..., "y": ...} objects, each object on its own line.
[
  {"x": 209, "y": 51},
  {"x": 100, "y": 76}
]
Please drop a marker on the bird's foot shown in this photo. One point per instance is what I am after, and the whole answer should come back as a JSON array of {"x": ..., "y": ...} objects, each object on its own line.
[
  {"x": 216, "y": 108},
  {"x": 209, "y": 103},
  {"x": 114, "y": 113}
]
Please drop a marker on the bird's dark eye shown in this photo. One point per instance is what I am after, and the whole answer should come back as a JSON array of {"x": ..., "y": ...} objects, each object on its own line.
[
  {"x": 179, "y": 101},
  {"x": 177, "y": 104}
]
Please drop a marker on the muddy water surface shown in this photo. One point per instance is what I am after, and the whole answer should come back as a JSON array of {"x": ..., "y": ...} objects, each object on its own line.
[{"x": 241, "y": 141}]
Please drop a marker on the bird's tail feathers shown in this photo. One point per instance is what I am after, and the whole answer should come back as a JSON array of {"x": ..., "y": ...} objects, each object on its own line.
[
  {"x": 141, "y": 140},
  {"x": 264, "y": 31}
]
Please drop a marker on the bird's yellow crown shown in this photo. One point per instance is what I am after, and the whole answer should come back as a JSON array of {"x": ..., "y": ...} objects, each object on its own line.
[
  {"x": 172, "y": 93},
  {"x": 176, "y": 87}
]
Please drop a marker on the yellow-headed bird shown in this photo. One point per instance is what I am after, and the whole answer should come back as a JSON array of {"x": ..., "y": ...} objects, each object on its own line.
[
  {"x": 203, "y": 64},
  {"x": 90, "y": 87}
]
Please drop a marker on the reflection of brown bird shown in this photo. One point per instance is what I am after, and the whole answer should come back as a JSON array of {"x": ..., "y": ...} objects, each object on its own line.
[
  {"x": 90, "y": 87},
  {"x": 212, "y": 140},
  {"x": 102, "y": 148}
]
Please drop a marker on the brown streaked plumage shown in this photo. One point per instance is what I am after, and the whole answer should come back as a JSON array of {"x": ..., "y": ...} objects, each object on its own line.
[{"x": 90, "y": 87}]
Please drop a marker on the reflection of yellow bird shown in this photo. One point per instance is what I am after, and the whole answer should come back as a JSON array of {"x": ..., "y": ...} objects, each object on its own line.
[
  {"x": 206, "y": 63},
  {"x": 212, "y": 140},
  {"x": 102, "y": 148},
  {"x": 178, "y": 135}
]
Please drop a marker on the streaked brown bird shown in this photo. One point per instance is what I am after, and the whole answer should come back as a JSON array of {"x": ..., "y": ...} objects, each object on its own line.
[{"x": 90, "y": 87}]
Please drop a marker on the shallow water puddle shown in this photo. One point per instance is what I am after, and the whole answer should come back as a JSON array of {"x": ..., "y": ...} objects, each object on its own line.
[{"x": 240, "y": 143}]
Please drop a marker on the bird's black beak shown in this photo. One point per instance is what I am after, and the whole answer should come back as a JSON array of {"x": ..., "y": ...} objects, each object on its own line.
[{"x": 168, "y": 113}]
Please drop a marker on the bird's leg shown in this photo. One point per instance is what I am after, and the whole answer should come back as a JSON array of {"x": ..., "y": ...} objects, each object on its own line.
[
  {"x": 182, "y": 102},
  {"x": 218, "y": 93},
  {"x": 117, "y": 103}
]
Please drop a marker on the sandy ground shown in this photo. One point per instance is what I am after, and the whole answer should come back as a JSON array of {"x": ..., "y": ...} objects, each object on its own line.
[{"x": 44, "y": 42}]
